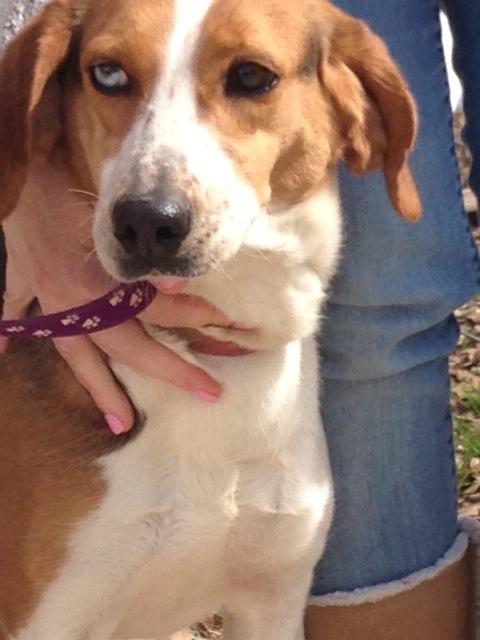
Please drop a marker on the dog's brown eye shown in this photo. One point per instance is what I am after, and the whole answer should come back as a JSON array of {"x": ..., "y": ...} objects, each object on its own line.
[
  {"x": 109, "y": 78},
  {"x": 249, "y": 79}
]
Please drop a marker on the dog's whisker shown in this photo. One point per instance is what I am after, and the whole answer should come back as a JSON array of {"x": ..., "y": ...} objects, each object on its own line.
[
  {"x": 89, "y": 256},
  {"x": 82, "y": 204},
  {"x": 228, "y": 277},
  {"x": 86, "y": 223},
  {"x": 85, "y": 193}
]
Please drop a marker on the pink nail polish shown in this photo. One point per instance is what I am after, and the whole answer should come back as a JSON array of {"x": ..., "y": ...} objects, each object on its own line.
[
  {"x": 116, "y": 425},
  {"x": 205, "y": 396}
]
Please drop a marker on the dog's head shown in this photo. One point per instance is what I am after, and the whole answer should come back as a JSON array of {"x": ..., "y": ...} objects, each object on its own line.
[{"x": 190, "y": 118}]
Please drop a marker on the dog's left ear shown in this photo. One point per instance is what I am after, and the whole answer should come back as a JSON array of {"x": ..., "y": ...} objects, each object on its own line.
[
  {"x": 377, "y": 115},
  {"x": 30, "y": 114}
]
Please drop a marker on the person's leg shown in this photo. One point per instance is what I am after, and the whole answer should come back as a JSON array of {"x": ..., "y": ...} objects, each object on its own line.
[
  {"x": 392, "y": 460},
  {"x": 389, "y": 330},
  {"x": 395, "y": 560}
]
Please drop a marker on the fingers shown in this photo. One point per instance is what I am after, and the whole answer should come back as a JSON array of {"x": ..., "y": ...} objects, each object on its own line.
[
  {"x": 16, "y": 302},
  {"x": 18, "y": 294},
  {"x": 182, "y": 311},
  {"x": 14, "y": 308},
  {"x": 95, "y": 375},
  {"x": 127, "y": 344},
  {"x": 131, "y": 346}
]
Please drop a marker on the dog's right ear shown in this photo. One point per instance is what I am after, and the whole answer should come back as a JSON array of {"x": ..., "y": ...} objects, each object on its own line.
[
  {"x": 30, "y": 113},
  {"x": 375, "y": 109}
]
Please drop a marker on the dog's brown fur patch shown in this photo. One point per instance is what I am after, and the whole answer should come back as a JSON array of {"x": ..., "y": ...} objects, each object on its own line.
[{"x": 51, "y": 437}]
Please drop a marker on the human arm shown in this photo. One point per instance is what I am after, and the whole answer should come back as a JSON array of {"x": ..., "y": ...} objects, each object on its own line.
[{"x": 51, "y": 258}]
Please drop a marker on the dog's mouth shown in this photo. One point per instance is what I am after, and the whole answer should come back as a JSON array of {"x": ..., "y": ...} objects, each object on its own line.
[
  {"x": 140, "y": 267},
  {"x": 192, "y": 261}
]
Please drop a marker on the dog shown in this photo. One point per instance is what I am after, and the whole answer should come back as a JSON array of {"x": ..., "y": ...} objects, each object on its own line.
[{"x": 211, "y": 131}]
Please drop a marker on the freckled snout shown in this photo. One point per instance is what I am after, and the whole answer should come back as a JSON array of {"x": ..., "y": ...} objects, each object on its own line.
[{"x": 151, "y": 232}]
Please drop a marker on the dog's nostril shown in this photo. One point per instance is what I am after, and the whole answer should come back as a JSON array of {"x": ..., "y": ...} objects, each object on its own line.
[
  {"x": 165, "y": 233},
  {"x": 129, "y": 234}
]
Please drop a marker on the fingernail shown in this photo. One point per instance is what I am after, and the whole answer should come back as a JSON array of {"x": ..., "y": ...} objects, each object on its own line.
[
  {"x": 115, "y": 424},
  {"x": 205, "y": 396}
]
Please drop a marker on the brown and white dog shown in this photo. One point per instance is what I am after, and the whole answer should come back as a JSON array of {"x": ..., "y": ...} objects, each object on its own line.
[{"x": 210, "y": 130}]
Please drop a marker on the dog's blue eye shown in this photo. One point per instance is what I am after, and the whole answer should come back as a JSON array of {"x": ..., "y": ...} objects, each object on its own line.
[
  {"x": 249, "y": 79},
  {"x": 109, "y": 78}
]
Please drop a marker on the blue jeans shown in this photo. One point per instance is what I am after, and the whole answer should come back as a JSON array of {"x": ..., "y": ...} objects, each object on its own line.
[{"x": 390, "y": 329}]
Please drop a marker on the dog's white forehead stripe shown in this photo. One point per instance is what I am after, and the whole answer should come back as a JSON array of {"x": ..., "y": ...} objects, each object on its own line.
[
  {"x": 173, "y": 100},
  {"x": 189, "y": 17},
  {"x": 170, "y": 117},
  {"x": 171, "y": 122}
]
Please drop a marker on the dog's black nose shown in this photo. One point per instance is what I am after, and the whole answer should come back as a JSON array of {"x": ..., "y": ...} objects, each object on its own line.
[{"x": 151, "y": 231}]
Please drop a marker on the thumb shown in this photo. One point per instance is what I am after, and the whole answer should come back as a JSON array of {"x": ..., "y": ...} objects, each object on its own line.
[
  {"x": 16, "y": 307},
  {"x": 16, "y": 301},
  {"x": 13, "y": 308}
]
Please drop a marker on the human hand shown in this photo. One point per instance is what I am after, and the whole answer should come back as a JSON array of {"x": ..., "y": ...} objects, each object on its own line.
[{"x": 51, "y": 258}]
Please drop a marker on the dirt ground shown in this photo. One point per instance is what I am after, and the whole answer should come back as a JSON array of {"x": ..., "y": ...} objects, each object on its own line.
[
  {"x": 465, "y": 365},
  {"x": 465, "y": 403}
]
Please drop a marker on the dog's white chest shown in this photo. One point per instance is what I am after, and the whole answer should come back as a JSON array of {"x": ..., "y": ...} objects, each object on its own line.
[
  {"x": 200, "y": 504},
  {"x": 229, "y": 494}
]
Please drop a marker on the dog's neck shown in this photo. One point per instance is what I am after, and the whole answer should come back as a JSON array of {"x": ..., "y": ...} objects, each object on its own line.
[{"x": 279, "y": 278}]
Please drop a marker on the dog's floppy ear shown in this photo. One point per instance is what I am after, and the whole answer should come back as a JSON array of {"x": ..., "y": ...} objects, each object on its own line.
[
  {"x": 376, "y": 111},
  {"x": 30, "y": 117}
]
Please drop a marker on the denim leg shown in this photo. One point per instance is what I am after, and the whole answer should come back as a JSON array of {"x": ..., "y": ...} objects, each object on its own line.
[
  {"x": 394, "y": 478},
  {"x": 388, "y": 331}
]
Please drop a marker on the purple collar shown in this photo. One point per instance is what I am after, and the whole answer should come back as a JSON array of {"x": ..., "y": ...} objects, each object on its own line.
[{"x": 121, "y": 304}]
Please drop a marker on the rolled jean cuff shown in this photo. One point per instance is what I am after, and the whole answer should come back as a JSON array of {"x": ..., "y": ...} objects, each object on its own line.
[{"x": 379, "y": 592}]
